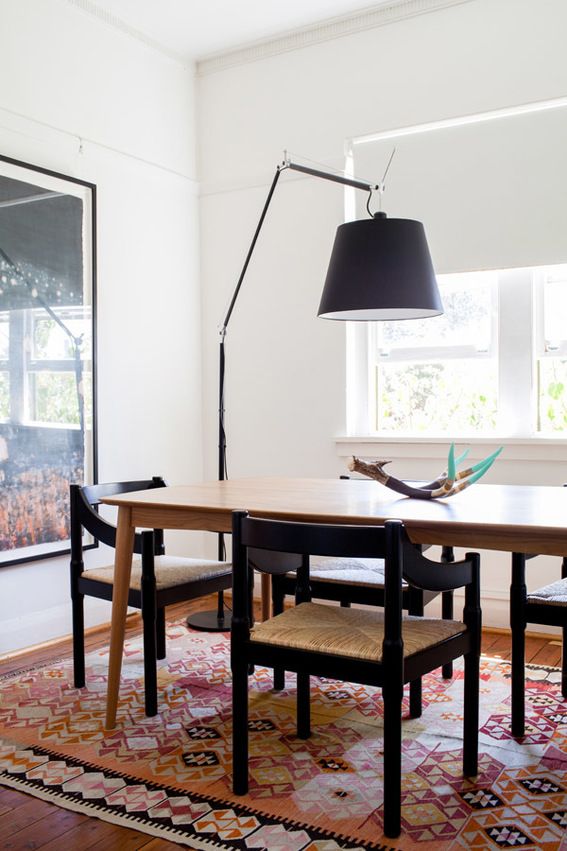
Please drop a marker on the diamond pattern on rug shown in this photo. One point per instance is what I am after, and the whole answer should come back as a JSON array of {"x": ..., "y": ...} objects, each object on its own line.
[
  {"x": 480, "y": 799},
  {"x": 559, "y": 817},
  {"x": 508, "y": 836},
  {"x": 179, "y": 810},
  {"x": 540, "y": 785},
  {"x": 171, "y": 774}
]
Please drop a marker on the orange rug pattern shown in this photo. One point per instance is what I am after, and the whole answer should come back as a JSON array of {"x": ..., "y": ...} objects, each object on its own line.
[{"x": 169, "y": 776}]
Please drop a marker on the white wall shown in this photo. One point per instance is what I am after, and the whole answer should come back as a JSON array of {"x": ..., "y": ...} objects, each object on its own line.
[
  {"x": 286, "y": 369},
  {"x": 86, "y": 100}
]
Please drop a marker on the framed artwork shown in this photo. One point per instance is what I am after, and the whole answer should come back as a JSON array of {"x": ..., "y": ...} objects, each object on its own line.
[{"x": 47, "y": 363}]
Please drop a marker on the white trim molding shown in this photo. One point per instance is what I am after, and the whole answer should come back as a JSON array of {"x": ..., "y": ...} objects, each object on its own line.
[
  {"x": 337, "y": 27},
  {"x": 515, "y": 449},
  {"x": 368, "y": 18},
  {"x": 117, "y": 23}
]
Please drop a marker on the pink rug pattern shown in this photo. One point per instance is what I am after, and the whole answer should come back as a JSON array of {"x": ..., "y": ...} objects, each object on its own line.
[{"x": 170, "y": 776}]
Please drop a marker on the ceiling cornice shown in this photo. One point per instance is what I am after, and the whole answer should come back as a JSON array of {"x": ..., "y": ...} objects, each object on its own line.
[
  {"x": 337, "y": 27},
  {"x": 378, "y": 16},
  {"x": 118, "y": 24}
]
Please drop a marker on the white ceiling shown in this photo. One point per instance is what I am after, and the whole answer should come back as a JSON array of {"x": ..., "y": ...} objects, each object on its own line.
[{"x": 195, "y": 29}]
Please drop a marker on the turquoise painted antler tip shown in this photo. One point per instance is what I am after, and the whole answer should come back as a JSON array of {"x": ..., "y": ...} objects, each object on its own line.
[
  {"x": 451, "y": 466},
  {"x": 488, "y": 460},
  {"x": 462, "y": 457},
  {"x": 483, "y": 467}
]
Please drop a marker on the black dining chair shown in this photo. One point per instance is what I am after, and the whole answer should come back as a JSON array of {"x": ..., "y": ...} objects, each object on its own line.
[
  {"x": 546, "y": 605},
  {"x": 358, "y": 581},
  {"x": 384, "y": 649},
  {"x": 157, "y": 580}
]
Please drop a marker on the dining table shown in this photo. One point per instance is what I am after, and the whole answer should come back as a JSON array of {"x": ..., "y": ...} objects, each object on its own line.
[{"x": 511, "y": 518}]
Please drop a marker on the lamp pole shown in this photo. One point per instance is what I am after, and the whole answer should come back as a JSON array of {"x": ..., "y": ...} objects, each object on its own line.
[
  {"x": 380, "y": 269},
  {"x": 211, "y": 620}
]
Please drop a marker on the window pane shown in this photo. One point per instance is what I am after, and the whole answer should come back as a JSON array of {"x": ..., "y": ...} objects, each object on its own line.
[
  {"x": 4, "y": 395},
  {"x": 452, "y": 397},
  {"x": 555, "y": 307},
  {"x": 54, "y": 398},
  {"x": 467, "y": 320},
  {"x": 51, "y": 342},
  {"x": 552, "y": 394}
]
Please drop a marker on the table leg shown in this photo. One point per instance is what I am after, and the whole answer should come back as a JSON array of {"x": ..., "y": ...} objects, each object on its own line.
[{"x": 122, "y": 571}]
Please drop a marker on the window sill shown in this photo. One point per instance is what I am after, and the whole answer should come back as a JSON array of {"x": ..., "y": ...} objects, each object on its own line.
[{"x": 515, "y": 448}]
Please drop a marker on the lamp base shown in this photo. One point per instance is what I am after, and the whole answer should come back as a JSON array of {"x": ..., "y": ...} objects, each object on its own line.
[{"x": 210, "y": 621}]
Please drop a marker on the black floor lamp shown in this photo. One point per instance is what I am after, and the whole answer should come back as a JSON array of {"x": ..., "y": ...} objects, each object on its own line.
[{"x": 380, "y": 269}]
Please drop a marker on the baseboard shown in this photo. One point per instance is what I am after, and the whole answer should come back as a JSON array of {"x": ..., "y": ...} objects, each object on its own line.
[
  {"x": 90, "y": 631},
  {"x": 135, "y": 616}
]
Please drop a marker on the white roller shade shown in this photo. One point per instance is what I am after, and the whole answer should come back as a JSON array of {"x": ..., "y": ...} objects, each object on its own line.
[{"x": 491, "y": 194}]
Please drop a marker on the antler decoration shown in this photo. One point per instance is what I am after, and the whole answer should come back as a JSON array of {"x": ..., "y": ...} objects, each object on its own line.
[{"x": 451, "y": 482}]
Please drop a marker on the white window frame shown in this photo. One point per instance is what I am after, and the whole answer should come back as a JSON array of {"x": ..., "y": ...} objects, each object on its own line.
[
  {"x": 519, "y": 340},
  {"x": 23, "y": 366}
]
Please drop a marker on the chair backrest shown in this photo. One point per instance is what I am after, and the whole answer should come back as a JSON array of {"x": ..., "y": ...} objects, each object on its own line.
[
  {"x": 390, "y": 542},
  {"x": 84, "y": 513}
]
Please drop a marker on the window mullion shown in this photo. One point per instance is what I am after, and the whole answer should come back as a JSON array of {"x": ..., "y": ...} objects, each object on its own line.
[
  {"x": 358, "y": 399},
  {"x": 17, "y": 366},
  {"x": 515, "y": 362}
]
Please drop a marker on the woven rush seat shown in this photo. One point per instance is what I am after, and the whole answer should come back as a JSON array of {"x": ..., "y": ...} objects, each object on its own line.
[
  {"x": 170, "y": 571},
  {"x": 554, "y": 594},
  {"x": 157, "y": 580},
  {"x": 348, "y": 571},
  {"x": 348, "y": 632}
]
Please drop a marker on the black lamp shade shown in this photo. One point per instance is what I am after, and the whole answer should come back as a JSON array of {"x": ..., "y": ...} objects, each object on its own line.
[{"x": 380, "y": 269}]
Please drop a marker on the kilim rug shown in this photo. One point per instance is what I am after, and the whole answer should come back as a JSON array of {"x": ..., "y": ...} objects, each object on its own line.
[{"x": 169, "y": 776}]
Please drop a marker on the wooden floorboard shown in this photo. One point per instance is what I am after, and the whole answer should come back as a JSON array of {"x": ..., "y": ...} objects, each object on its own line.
[{"x": 27, "y": 822}]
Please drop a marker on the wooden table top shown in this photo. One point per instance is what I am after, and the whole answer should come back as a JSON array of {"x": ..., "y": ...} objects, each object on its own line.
[{"x": 514, "y": 518}]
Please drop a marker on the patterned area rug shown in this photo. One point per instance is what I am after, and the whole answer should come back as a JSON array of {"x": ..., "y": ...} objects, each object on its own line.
[{"x": 169, "y": 776}]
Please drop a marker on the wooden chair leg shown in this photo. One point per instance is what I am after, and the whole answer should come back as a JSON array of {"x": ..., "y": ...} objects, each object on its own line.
[
  {"x": 415, "y": 607},
  {"x": 564, "y": 648},
  {"x": 240, "y": 729},
  {"x": 150, "y": 665},
  {"x": 471, "y": 714},
  {"x": 161, "y": 650},
  {"x": 415, "y": 699},
  {"x": 392, "y": 760},
  {"x": 447, "y": 614},
  {"x": 564, "y": 665},
  {"x": 278, "y": 599},
  {"x": 149, "y": 614},
  {"x": 447, "y": 557},
  {"x": 518, "y": 593},
  {"x": 78, "y": 640},
  {"x": 303, "y": 706}
]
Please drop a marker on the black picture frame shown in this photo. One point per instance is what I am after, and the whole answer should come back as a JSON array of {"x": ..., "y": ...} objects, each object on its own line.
[{"x": 48, "y": 397}]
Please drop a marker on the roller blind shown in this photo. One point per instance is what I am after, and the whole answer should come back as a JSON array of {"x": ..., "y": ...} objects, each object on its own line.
[{"x": 492, "y": 194}]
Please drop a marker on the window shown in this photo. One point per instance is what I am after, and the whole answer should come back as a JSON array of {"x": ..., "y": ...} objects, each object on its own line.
[
  {"x": 43, "y": 361},
  {"x": 495, "y": 364},
  {"x": 551, "y": 350},
  {"x": 53, "y": 365}
]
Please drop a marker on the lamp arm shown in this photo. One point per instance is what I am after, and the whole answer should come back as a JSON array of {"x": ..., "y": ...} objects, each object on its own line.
[
  {"x": 224, "y": 325},
  {"x": 287, "y": 163},
  {"x": 336, "y": 178},
  {"x": 222, "y": 473}
]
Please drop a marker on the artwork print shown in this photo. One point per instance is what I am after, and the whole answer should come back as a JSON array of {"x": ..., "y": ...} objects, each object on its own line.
[{"x": 47, "y": 388}]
